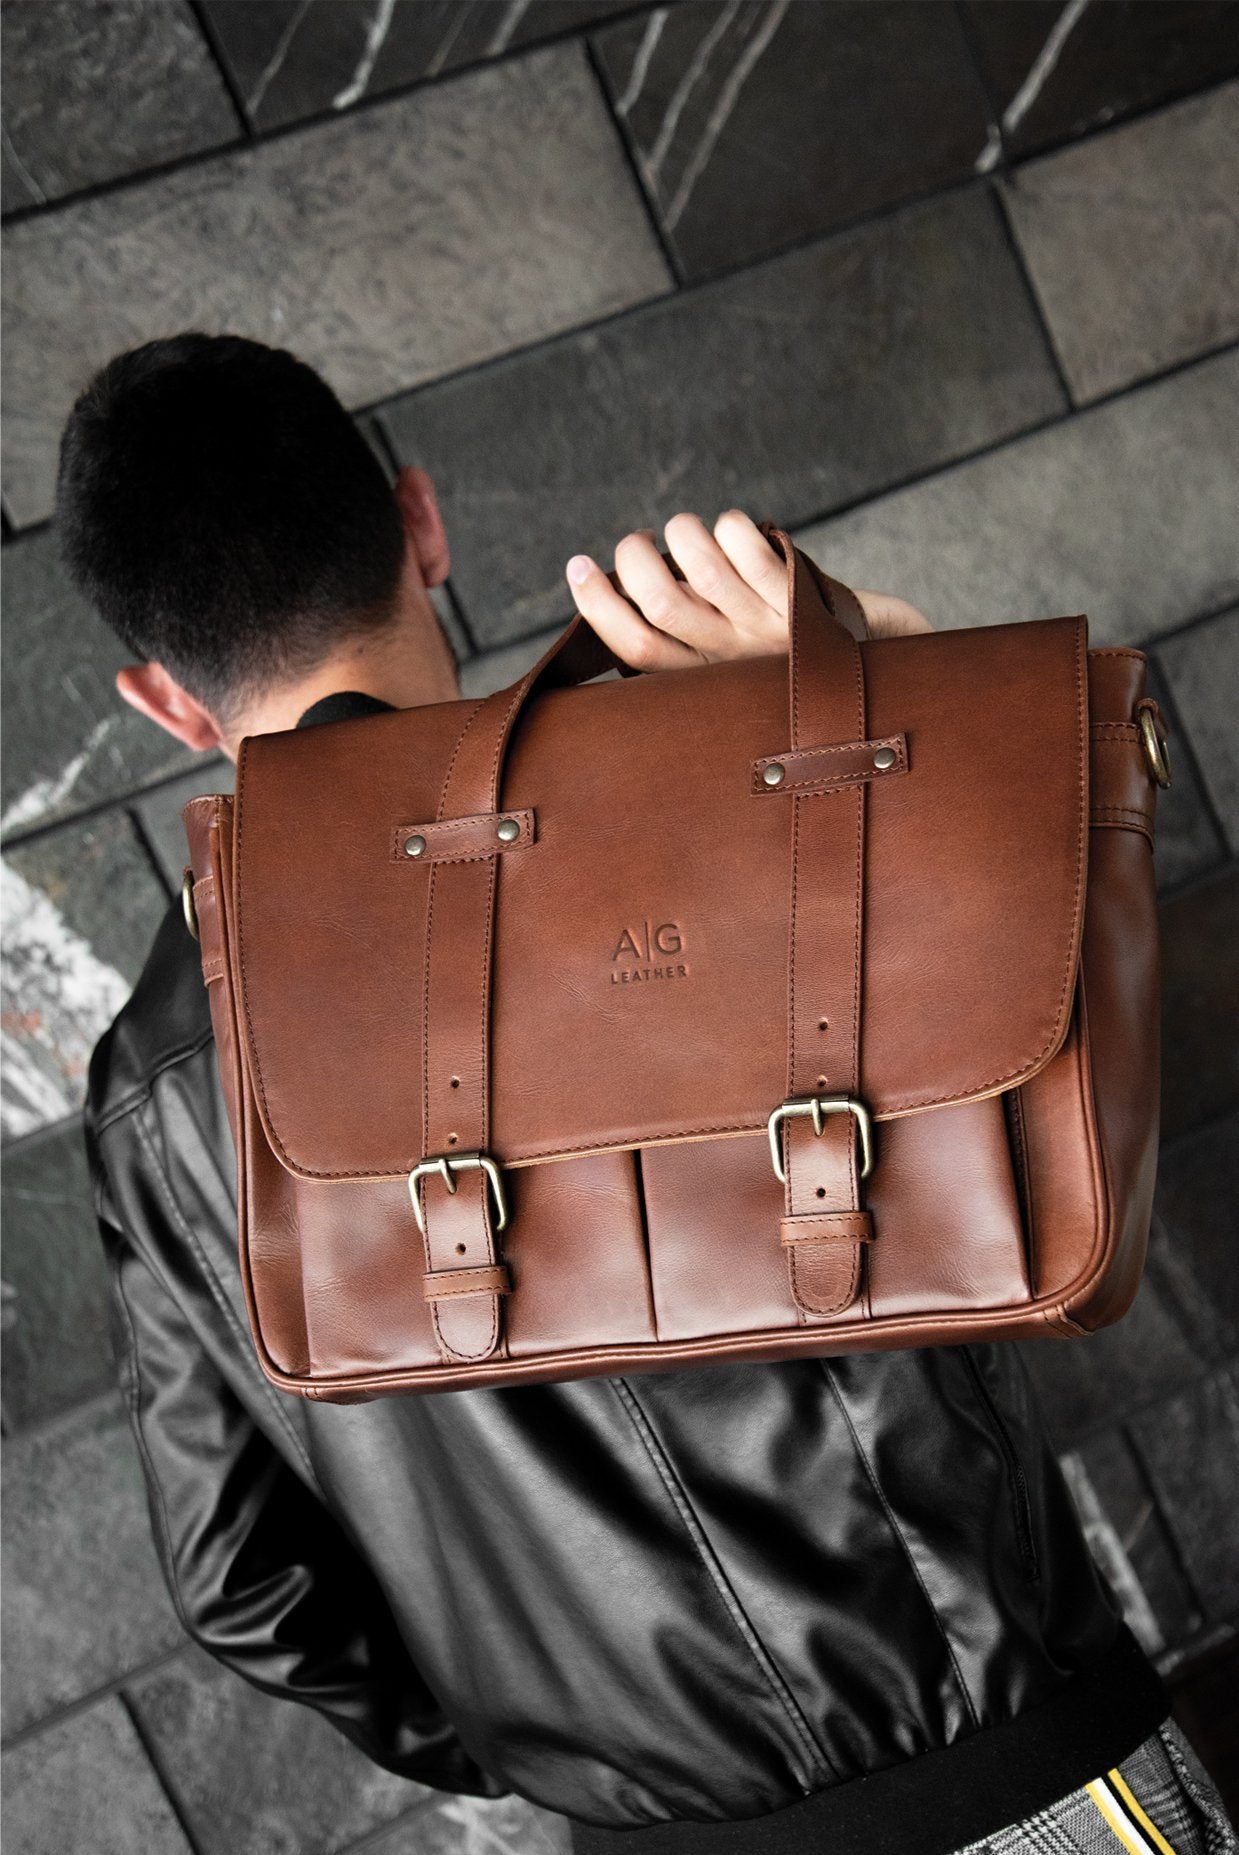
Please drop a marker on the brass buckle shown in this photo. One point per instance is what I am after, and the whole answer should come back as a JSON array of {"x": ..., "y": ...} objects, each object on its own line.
[
  {"x": 445, "y": 1164},
  {"x": 1156, "y": 752},
  {"x": 187, "y": 904},
  {"x": 817, "y": 1106}
]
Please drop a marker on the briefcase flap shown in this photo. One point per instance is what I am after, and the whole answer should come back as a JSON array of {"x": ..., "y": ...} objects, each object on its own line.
[{"x": 639, "y": 958}]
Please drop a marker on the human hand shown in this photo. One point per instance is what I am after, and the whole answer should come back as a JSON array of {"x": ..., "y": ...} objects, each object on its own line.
[{"x": 730, "y": 603}]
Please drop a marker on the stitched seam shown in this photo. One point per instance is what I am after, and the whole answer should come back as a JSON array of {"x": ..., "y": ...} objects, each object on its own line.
[
  {"x": 186, "y": 1229},
  {"x": 438, "y": 828},
  {"x": 837, "y": 1306},
  {"x": 129, "y": 1102},
  {"x": 697, "y": 1534},
  {"x": 898, "y": 1105},
  {"x": 850, "y": 747},
  {"x": 133, "y": 1402},
  {"x": 897, "y": 1531},
  {"x": 760, "y": 1342},
  {"x": 831, "y": 782},
  {"x": 457, "y": 1281}
]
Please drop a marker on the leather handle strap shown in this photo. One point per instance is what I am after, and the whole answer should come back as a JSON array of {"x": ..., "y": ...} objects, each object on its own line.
[
  {"x": 824, "y": 1226},
  {"x": 458, "y": 1227}
]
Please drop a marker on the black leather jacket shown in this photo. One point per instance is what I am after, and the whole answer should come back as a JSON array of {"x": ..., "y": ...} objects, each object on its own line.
[{"x": 848, "y": 1597}]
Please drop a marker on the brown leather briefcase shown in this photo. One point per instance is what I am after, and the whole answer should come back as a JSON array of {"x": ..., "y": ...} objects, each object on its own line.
[{"x": 790, "y": 1006}]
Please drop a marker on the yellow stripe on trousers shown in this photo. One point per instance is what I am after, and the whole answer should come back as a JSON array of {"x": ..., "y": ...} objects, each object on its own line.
[{"x": 1140, "y": 1837}]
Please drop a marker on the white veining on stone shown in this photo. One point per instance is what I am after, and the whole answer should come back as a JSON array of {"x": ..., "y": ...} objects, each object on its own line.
[
  {"x": 28, "y": 179},
  {"x": 1111, "y": 1553},
  {"x": 58, "y": 996},
  {"x": 1042, "y": 65},
  {"x": 272, "y": 67},
  {"x": 375, "y": 35},
  {"x": 513, "y": 14},
  {"x": 45, "y": 794},
  {"x": 460, "y": 19},
  {"x": 991, "y": 154},
  {"x": 641, "y": 62},
  {"x": 716, "y": 122},
  {"x": 684, "y": 89}
]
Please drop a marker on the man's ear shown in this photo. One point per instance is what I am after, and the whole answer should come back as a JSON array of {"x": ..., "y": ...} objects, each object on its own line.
[
  {"x": 149, "y": 688},
  {"x": 423, "y": 524}
]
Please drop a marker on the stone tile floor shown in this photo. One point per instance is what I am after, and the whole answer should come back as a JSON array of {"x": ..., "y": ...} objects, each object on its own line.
[{"x": 985, "y": 358}]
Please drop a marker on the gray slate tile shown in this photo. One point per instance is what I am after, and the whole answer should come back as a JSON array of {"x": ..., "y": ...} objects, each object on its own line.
[
  {"x": 482, "y": 675},
  {"x": 1132, "y": 240},
  {"x": 295, "y": 58},
  {"x": 1114, "y": 59},
  {"x": 1202, "y": 668},
  {"x": 86, "y": 1783},
  {"x": 753, "y": 126},
  {"x": 81, "y": 906},
  {"x": 477, "y": 1826},
  {"x": 57, "y": 1348},
  {"x": 1096, "y": 1382},
  {"x": 1124, "y": 512},
  {"x": 1189, "y": 842},
  {"x": 1194, "y": 1234},
  {"x": 95, "y": 92},
  {"x": 83, "y": 1597},
  {"x": 1200, "y": 1003},
  {"x": 68, "y": 739},
  {"x": 1189, "y": 1447},
  {"x": 807, "y": 381},
  {"x": 396, "y": 244},
  {"x": 1131, "y": 1542},
  {"x": 255, "y": 1775},
  {"x": 159, "y": 812}
]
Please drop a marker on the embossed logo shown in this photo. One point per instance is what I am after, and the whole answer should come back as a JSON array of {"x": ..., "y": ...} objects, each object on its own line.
[{"x": 647, "y": 953}]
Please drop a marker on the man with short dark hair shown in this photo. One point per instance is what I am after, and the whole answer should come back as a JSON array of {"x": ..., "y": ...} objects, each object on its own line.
[{"x": 832, "y": 1604}]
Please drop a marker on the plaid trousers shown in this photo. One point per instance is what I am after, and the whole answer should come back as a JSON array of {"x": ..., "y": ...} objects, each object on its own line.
[{"x": 1160, "y": 1801}]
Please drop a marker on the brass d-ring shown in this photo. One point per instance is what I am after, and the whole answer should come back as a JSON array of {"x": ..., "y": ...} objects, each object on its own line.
[
  {"x": 187, "y": 903},
  {"x": 1156, "y": 752}
]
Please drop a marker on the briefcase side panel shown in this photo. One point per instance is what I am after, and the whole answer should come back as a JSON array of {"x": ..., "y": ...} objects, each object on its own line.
[
  {"x": 1086, "y": 1127},
  {"x": 1121, "y": 991}
]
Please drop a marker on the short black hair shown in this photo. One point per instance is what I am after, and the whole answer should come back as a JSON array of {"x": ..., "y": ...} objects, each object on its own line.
[{"x": 224, "y": 514}]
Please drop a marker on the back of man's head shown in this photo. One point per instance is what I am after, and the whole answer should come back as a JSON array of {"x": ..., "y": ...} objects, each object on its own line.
[{"x": 224, "y": 515}]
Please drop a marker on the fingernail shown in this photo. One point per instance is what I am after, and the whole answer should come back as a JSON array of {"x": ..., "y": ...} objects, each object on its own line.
[{"x": 579, "y": 568}]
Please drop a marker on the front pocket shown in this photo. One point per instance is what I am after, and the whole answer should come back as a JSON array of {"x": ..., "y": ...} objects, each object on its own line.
[{"x": 1017, "y": 1480}]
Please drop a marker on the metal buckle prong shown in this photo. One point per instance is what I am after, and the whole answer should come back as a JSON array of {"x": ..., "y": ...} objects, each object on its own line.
[
  {"x": 445, "y": 1164},
  {"x": 816, "y": 1106}
]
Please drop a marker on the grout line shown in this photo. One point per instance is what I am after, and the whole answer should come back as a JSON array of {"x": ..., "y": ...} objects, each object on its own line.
[
  {"x": 256, "y": 138},
  {"x": 215, "y": 51},
  {"x": 154, "y": 1758},
  {"x": 628, "y": 148},
  {"x": 145, "y": 844},
  {"x": 998, "y": 194},
  {"x": 382, "y": 438},
  {"x": 1184, "y": 750},
  {"x": 1059, "y": 144},
  {"x": 68, "y": 1710},
  {"x": 1170, "y": 1535},
  {"x": 373, "y": 1837},
  {"x": 19, "y": 1144},
  {"x": 96, "y": 808}
]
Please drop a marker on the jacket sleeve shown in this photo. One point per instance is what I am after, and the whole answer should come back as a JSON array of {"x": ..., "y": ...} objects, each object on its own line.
[{"x": 261, "y": 1573}]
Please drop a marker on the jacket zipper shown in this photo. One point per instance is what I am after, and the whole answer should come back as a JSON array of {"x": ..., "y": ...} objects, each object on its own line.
[{"x": 1021, "y": 1505}]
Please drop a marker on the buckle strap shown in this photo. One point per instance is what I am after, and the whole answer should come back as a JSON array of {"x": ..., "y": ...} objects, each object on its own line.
[
  {"x": 456, "y": 1190},
  {"x": 814, "y": 1135}
]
